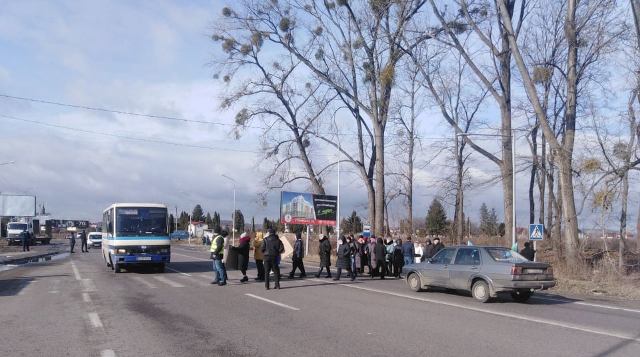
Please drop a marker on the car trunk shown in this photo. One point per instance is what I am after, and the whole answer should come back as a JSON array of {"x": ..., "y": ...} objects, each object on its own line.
[{"x": 532, "y": 271}]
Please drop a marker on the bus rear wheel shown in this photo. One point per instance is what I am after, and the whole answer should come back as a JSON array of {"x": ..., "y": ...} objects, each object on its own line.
[{"x": 160, "y": 268}]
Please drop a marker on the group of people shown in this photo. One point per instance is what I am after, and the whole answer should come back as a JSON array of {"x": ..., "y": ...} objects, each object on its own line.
[
  {"x": 382, "y": 258},
  {"x": 83, "y": 240}
]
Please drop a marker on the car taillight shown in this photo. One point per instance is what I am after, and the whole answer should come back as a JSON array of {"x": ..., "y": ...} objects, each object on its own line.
[{"x": 516, "y": 270}]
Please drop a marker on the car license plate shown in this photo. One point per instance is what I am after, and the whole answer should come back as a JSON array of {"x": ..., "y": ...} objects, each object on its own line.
[
  {"x": 535, "y": 271},
  {"x": 144, "y": 258}
]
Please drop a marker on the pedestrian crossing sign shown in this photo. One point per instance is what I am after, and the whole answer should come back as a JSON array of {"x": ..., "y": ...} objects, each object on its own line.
[{"x": 536, "y": 231}]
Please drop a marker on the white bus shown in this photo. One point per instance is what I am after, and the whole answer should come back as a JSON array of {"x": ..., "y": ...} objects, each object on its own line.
[{"x": 136, "y": 233}]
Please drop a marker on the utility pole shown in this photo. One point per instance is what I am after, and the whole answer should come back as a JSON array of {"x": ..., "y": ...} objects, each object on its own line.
[{"x": 233, "y": 216}]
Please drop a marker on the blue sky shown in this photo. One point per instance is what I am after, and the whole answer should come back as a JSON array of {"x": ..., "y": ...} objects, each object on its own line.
[{"x": 149, "y": 57}]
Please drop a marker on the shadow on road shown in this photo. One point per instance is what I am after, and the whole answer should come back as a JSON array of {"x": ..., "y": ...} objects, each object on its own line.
[
  {"x": 618, "y": 346},
  {"x": 11, "y": 287}
]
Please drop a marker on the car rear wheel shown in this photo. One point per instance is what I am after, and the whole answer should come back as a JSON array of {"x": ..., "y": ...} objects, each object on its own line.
[
  {"x": 414, "y": 282},
  {"x": 521, "y": 295},
  {"x": 480, "y": 291}
]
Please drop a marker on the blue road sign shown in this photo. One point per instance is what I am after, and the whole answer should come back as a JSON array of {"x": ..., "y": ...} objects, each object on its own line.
[{"x": 536, "y": 231}]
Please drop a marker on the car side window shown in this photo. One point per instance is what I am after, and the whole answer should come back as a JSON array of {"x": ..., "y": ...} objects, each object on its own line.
[
  {"x": 443, "y": 257},
  {"x": 468, "y": 256}
]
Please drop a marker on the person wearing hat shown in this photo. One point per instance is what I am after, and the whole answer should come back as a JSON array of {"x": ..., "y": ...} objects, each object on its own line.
[
  {"x": 217, "y": 254},
  {"x": 296, "y": 259},
  {"x": 243, "y": 255},
  {"x": 272, "y": 247}
]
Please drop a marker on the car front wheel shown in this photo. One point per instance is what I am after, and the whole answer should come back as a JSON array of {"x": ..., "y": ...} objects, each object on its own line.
[
  {"x": 521, "y": 295},
  {"x": 480, "y": 291},
  {"x": 414, "y": 282}
]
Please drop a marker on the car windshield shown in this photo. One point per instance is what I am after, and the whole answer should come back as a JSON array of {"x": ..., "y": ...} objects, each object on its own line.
[
  {"x": 505, "y": 255},
  {"x": 141, "y": 221},
  {"x": 20, "y": 226}
]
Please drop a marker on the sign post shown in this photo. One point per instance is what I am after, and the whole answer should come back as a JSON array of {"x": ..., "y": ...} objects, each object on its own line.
[
  {"x": 307, "y": 243},
  {"x": 536, "y": 233}
]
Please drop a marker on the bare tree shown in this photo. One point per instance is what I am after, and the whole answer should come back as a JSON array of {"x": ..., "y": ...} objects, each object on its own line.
[{"x": 591, "y": 33}]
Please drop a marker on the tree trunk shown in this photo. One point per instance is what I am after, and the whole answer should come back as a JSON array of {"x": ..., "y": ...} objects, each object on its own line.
[
  {"x": 507, "y": 143},
  {"x": 566, "y": 155},
  {"x": 459, "y": 214},
  {"x": 379, "y": 180},
  {"x": 624, "y": 196},
  {"x": 532, "y": 177}
]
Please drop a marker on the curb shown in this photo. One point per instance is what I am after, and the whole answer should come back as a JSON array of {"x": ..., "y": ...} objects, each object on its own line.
[{"x": 27, "y": 259}]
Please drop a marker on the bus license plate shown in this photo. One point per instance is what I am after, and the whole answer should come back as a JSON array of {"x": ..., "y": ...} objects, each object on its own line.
[{"x": 144, "y": 258}]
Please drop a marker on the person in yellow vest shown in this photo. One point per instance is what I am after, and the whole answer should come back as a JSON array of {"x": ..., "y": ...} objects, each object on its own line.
[
  {"x": 217, "y": 254},
  {"x": 258, "y": 255}
]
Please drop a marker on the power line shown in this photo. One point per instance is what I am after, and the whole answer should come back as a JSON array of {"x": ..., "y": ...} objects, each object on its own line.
[
  {"x": 134, "y": 138},
  {"x": 171, "y": 118}
]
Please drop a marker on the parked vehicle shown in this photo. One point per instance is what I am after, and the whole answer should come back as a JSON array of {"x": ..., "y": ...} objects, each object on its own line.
[
  {"x": 483, "y": 271},
  {"x": 94, "y": 239},
  {"x": 179, "y": 235}
]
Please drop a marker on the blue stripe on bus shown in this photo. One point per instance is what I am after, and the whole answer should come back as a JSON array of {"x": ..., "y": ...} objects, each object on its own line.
[{"x": 141, "y": 238}]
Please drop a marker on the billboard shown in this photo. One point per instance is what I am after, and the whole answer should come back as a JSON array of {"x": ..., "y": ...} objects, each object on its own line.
[
  {"x": 17, "y": 205},
  {"x": 307, "y": 208}
]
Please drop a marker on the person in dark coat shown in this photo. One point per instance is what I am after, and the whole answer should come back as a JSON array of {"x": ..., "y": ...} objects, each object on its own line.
[
  {"x": 344, "y": 259},
  {"x": 428, "y": 251},
  {"x": 379, "y": 254},
  {"x": 363, "y": 250},
  {"x": 408, "y": 251},
  {"x": 72, "y": 241},
  {"x": 83, "y": 241},
  {"x": 296, "y": 258},
  {"x": 398, "y": 259},
  {"x": 528, "y": 251},
  {"x": 272, "y": 247},
  {"x": 437, "y": 246},
  {"x": 372, "y": 257},
  {"x": 25, "y": 237},
  {"x": 355, "y": 258},
  {"x": 325, "y": 256},
  {"x": 243, "y": 255}
]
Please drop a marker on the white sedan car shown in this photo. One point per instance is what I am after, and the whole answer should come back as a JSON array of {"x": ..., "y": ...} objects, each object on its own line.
[{"x": 94, "y": 239}]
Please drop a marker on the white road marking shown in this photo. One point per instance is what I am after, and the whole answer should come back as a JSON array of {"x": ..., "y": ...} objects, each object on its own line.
[
  {"x": 95, "y": 320},
  {"x": 273, "y": 302},
  {"x": 587, "y": 304},
  {"x": 23, "y": 285},
  {"x": 502, "y": 314},
  {"x": 86, "y": 297},
  {"x": 144, "y": 282},
  {"x": 88, "y": 285},
  {"x": 179, "y": 272},
  {"x": 107, "y": 353},
  {"x": 189, "y": 256},
  {"x": 76, "y": 273},
  {"x": 168, "y": 282}
]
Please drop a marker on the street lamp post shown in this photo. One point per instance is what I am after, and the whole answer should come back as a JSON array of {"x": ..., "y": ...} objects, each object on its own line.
[
  {"x": 233, "y": 216},
  {"x": 513, "y": 175}
]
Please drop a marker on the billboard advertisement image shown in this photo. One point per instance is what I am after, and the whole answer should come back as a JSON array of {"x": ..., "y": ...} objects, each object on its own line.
[{"x": 307, "y": 208}]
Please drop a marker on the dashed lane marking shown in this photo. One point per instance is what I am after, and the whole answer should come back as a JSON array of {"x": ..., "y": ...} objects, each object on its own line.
[
  {"x": 88, "y": 285},
  {"x": 95, "y": 320},
  {"x": 107, "y": 353},
  {"x": 178, "y": 271},
  {"x": 76, "y": 273},
  {"x": 273, "y": 302},
  {"x": 144, "y": 282},
  {"x": 86, "y": 298},
  {"x": 569, "y": 326},
  {"x": 168, "y": 282}
]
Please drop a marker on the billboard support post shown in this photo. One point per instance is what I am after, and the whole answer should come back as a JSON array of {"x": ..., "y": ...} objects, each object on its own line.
[{"x": 307, "y": 249}]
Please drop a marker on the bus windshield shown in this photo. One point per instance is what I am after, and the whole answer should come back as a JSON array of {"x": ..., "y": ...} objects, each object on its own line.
[{"x": 141, "y": 221}]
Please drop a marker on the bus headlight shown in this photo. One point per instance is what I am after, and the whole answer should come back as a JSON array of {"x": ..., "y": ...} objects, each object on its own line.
[
  {"x": 164, "y": 250},
  {"x": 121, "y": 251}
]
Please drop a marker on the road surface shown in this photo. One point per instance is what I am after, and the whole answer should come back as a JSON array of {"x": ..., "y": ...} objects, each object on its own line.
[{"x": 77, "y": 307}]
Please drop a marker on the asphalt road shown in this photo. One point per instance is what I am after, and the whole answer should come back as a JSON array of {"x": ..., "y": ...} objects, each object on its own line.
[{"x": 75, "y": 306}]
